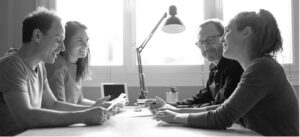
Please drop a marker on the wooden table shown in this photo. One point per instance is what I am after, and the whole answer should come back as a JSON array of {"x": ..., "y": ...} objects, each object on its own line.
[{"x": 131, "y": 123}]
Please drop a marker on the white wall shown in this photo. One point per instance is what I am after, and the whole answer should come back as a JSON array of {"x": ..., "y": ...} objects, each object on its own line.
[
  {"x": 12, "y": 13},
  {"x": 3, "y": 26}
]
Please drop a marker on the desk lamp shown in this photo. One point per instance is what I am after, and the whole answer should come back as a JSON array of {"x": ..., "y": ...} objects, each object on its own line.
[{"x": 172, "y": 25}]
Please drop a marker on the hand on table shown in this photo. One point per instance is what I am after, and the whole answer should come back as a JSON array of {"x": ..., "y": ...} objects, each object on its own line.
[
  {"x": 171, "y": 117},
  {"x": 95, "y": 116},
  {"x": 159, "y": 103},
  {"x": 102, "y": 102}
]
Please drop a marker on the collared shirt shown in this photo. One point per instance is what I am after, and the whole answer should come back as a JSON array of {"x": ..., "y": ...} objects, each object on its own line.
[{"x": 222, "y": 81}]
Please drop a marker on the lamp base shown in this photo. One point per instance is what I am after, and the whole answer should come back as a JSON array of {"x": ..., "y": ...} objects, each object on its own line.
[
  {"x": 143, "y": 94},
  {"x": 141, "y": 103}
]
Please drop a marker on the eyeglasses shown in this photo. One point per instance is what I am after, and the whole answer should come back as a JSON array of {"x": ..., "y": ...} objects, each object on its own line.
[{"x": 209, "y": 41}]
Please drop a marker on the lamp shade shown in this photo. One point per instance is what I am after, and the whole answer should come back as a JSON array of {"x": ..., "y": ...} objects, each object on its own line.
[{"x": 173, "y": 25}]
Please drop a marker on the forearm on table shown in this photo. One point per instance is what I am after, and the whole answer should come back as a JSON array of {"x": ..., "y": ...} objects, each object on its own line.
[
  {"x": 86, "y": 102},
  {"x": 63, "y": 106},
  {"x": 181, "y": 118},
  {"x": 206, "y": 120},
  {"x": 48, "y": 118},
  {"x": 192, "y": 110},
  {"x": 198, "y": 110},
  {"x": 200, "y": 98}
]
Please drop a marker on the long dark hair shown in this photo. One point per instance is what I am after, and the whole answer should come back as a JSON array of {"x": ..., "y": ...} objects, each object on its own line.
[{"x": 83, "y": 64}]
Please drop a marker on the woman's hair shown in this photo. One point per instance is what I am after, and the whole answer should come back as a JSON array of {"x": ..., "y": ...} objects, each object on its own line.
[
  {"x": 83, "y": 64},
  {"x": 266, "y": 38}
]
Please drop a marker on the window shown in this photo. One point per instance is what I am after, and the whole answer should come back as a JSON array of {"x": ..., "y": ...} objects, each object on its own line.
[
  {"x": 104, "y": 19},
  {"x": 117, "y": 27},
  {"x": 106, "y": 30},
  {"x": 169, "y": 49},
  {"x": 281, "y": 9}
]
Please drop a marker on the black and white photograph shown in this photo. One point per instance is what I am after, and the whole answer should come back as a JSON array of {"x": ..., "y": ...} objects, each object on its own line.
[{"x": 149, "y": 68}]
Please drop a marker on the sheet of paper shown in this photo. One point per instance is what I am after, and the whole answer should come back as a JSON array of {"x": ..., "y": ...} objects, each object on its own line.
[{"x": 121, "y": 99}]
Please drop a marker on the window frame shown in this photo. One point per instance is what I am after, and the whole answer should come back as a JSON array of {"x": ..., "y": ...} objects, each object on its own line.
[
  {"x": 157, "y": 75},
  {"x": 292, "y": 70}
]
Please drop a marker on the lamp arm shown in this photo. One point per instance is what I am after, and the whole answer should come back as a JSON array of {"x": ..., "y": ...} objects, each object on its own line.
[
  {"x": 139, "y": 50},
  {"x": 143, "y": 45},
  {"x": 141, "y": 74}
]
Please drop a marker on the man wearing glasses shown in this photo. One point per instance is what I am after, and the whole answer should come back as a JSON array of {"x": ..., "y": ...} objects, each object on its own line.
[{"x": 224, "y": 73}]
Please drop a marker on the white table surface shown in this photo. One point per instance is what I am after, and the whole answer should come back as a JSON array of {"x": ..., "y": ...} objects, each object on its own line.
[{"x": 131, "y": 123}]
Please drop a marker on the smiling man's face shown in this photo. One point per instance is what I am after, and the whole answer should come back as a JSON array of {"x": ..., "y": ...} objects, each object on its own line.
[{"x": 52, "y": 42}]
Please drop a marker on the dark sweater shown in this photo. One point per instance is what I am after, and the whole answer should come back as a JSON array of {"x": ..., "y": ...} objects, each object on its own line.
[
  {"x": 264, "y": 101},
  {"x": 222, "y": 81}
]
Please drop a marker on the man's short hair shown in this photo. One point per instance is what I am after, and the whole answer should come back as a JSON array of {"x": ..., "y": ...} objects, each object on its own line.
[
  {"x": 40, "y": 19},
  {"x": 218, "y": 23}
]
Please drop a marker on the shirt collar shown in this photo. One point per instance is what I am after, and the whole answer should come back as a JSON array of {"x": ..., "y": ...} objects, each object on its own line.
[{"x": 221, "y": 64}]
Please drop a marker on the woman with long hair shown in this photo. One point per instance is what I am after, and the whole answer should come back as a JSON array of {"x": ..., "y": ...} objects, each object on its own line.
[
  {"x": 72, "y": 66},
  {"x": 264, "y": 99}
]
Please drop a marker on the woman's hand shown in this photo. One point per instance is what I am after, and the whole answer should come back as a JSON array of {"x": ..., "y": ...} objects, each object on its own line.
[
  {"x": 166, "y": 116},
  {"x": 159, "y": 103},
  {"x": 163, "y": 105},
  {"x": 169, "y": 116},
  {"x": 170, "y": 107},
  {"x": 102, "y": 102}
]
